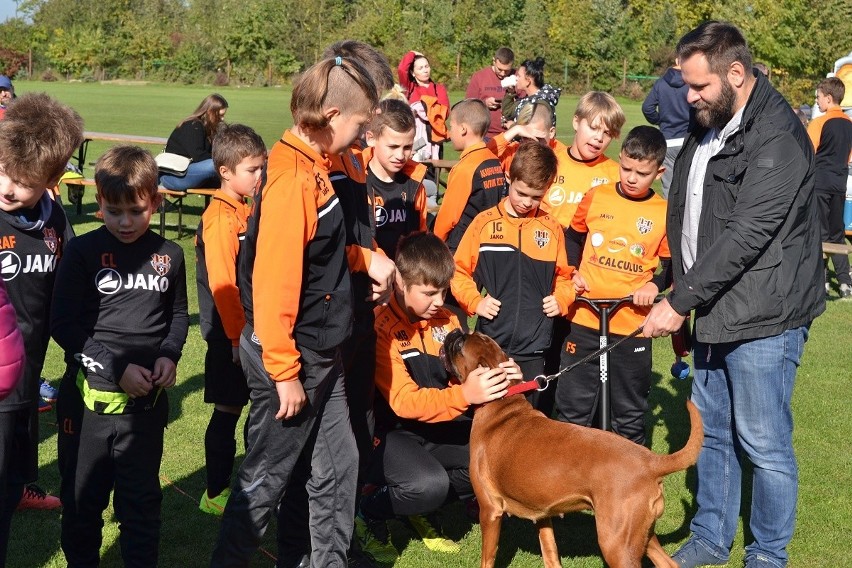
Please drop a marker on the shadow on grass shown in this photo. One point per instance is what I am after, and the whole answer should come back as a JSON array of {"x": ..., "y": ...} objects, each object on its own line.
[{"x": 180, "y": 391}]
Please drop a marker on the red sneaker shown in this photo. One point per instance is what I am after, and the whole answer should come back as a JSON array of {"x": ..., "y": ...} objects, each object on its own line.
[{"x": 35, "y": 497}]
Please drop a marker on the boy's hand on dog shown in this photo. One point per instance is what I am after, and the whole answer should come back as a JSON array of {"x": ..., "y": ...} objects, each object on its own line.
[
  {"x": 484, "y": 385},
  {"x": 488, "y": 308},
  {"x": 292, "y": 397},
  {"x": 136, "y": 381}
]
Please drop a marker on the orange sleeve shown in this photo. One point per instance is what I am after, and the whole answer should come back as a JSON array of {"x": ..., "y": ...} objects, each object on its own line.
[
  {"x": 221, "y": 247},
  {"x": 289, "y": 224},
  {"x": 664, "y": 251},
  {"x": 504, "y": 150},
  {"x": 815, "y": 132},
  {"x": 358, "y": 258},
  {"x": 420, "y": 206},
  {"x": 578, "y": 223},
  {"x": 563, "y": 287},
  {"x": 464, "y": 289},
  {"x": 454, "y": 202},
  {"x": 404, "y": 396}
]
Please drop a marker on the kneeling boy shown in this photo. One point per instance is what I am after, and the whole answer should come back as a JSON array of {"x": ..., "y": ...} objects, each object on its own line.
[{"x": 423, "y": 451}]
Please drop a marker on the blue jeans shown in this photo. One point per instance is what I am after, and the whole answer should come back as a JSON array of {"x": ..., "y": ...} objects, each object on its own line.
[
  {"x": 198, "y": 175},
  {"x": 743, "y": 390}
]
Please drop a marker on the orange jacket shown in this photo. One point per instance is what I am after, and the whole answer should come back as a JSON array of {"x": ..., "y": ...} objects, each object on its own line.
[
  {"x": 519, "y": 261},
  {"x": 410, "y": 376},
  {"x": 217, "y": 244},
  {"x": 474, "y": 184},
  {"x": 294, "y": 276}
]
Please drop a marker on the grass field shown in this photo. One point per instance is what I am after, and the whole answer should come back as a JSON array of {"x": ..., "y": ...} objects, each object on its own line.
[{"x": 821, "y": 402}]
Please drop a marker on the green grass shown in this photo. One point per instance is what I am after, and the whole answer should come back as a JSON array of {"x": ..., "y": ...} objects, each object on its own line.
[{"x": 821, "y": 401}]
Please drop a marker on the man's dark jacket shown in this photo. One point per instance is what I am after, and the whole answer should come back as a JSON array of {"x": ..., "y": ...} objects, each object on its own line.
[{"x": 759, "y": 268}]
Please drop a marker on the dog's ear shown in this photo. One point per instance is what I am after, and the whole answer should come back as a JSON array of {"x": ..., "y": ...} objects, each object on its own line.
[{"x": 450, "y": 349}]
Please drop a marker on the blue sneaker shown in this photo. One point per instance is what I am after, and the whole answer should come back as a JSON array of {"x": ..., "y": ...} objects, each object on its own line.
[
  {"x": 695, "y": 553},
  {"x": 47, "y": 391}
]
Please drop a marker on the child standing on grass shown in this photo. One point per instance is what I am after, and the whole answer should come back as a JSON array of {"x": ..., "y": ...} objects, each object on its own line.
[
  {"x": 474, "y": 184},
  {"x": 617, "y": 239},
  {"x": 296, "y": 291},
  {"x": 394, "y": 181},
  {"x": 37, "y": 138},
  {"x": 120, "y": 315},
  {"x": 238, "y": 156},
  {"x": 516, "y": 253}
]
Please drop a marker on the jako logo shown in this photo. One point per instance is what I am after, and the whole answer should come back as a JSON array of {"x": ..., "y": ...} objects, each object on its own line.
[
  {"x": 108, "y": 281},
  {"x": 10, "y": 265}
]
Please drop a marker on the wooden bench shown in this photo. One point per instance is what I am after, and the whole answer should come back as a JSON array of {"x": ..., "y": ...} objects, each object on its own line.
[
  {"x": 76, "y": 188},
  {"x": 134, "y": 139},
  {"x": 836, "y": 248}
]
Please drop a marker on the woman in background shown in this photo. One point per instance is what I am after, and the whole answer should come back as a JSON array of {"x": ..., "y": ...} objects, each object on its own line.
[{"x": 193, "y": 138}]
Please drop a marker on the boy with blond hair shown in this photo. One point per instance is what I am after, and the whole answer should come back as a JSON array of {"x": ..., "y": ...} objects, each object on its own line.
[
  {"x": 597, "y": 121},
  {"x": 476, "y": 182},
  {"x": 617, "y": 240},
  {"x": 120, "y": 315},
  {"x": 37, "y": 137},
  {"x": 238, "y": 156},
  {"x": 516, "y": 252}
]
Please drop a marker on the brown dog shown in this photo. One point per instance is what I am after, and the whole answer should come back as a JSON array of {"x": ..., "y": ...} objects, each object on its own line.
[{"x": 525, "y": 464}]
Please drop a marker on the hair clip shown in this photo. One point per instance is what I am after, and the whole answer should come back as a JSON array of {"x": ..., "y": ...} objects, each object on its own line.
[{"x": 338, "y": 61}]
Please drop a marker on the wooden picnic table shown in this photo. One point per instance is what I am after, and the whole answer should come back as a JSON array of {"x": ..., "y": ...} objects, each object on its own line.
[{"x": 89, "y": 135}]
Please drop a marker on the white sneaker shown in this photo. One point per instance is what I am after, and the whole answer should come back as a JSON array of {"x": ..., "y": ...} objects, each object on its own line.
[{"x": 845, "y": 291}]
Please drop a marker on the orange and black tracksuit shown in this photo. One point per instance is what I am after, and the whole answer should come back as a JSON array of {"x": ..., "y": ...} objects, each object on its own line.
[
  {"x": 217, "y": 248},
  {"x": 831, "y": 135},
  {"x": 399, "y": 205},
  {"x": 474, "y": 184},
  {"x": 519, "y": 261},
  {"x": 296, "y": 291},
  {"x": 423, "y": 430},
  {"x": 623, "y": 241}
]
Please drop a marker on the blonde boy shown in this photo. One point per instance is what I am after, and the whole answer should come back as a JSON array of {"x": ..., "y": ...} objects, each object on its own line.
[
  {"x": 238, "y": 156},
  {"x": 597, "y": 120},
  {"x": 477, "y": 182}
]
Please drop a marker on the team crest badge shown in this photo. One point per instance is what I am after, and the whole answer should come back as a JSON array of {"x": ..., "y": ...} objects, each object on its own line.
[
  {"x": 161, "y": 263},
  {"x": 439, "y": 334},
  {"x": 51, "y": 240},
  {"x": 541, "y": 237},
  {"x": 644, "y": 225}
]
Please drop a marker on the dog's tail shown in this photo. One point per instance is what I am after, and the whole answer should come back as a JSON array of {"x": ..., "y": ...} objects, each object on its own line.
[{"x": 688, "y": 454}]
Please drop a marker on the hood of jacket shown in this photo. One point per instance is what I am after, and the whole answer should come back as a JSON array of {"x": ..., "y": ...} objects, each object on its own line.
[{"x": 674, "y": 78}]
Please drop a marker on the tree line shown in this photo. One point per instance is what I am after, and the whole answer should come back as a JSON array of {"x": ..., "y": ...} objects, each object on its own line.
[{"x": 587, "y": 43}]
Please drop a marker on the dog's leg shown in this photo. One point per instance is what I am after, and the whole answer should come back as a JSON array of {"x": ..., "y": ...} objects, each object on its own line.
[
  {"x": 490, "y": 519},
  {"x": 659, "y": 556},
  {"x": 546, "y": 540},
  {"x": 622, "y": 538}
]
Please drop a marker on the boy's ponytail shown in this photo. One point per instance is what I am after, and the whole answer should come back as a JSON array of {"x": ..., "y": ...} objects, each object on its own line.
[{"x": 333, "y": 82}]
